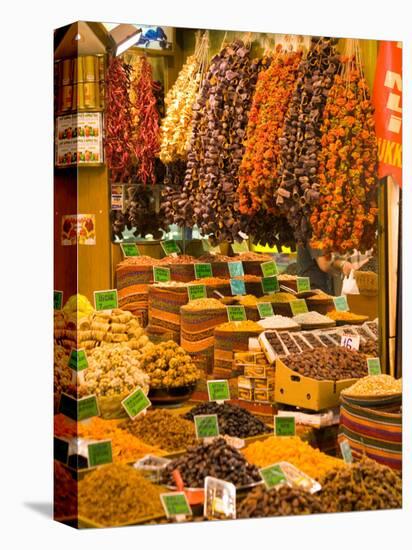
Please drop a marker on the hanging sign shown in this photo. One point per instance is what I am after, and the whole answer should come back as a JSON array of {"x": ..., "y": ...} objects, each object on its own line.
[
  {"x": 350, "y": 342},
  {"x": 269, "y": 269},
  {"x": 374, "y": 366},
  {"x": 235, "y": 269},
  {"x": 105, "y": 299},
  {"x": 57, "y": 299},
  {"x": 265, "y": 309},
  {"x": 285, "y": 426},
  {"x": 238, "y": 248},
  {"x": 161, "y": 274},
  {"x": 298, "y": 306},
  {"x": 341, "y": 303},
  {"x": 99, "y": 453},
  {"x": 203, "y": 270},
  {"x": 129, "y": 250},
  {"x": 270, "y": 285},
  {"x": 272, "y": 476},
  {"x": 303, "y": 284},
  {"x": 218, "y": 390},
  {"x": 135, "y": 403},
  {"x": 238, "y": 287},
  {"x": 170, "y": 247},
  {"x": 236, "y": 313},
  {"x": 78, "y": 360},
  {"x": 206, "y": 425},
  {"x": 175, "y": 505},
  {"x": 195, "y": 292}
]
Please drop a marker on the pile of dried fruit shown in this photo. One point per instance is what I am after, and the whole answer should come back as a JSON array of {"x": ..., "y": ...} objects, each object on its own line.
[
  {"x": 62, "y": 373},
  {"x": 336, "y": 315},
  {"x": 65, "y": 493}
]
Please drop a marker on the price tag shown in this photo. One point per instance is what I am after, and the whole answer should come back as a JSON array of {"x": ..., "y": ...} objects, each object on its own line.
[
  {"x": 61, "y": 450},
  {"x": 99, "y": 453},
  {"x": 285, "y": 425},
  {"x": 175, "y": 505},
  {"x": 206, "y": 425},
  {"x": 236, "y": 313},
  {"x": 235, "y": 269},
  {"x": 238, "y": 248},
  {"x": 346, "y": 451},
  {"x": 238, "y": 287},
  {"x": 57, "y": 300},
  {"x": 218, "y": 390},
  {"x": 129, "y": 250},
  {"x": 350, "y": 342},
  {"x": 170, "y": 247},
  {"x": 270, "y": 285},
  {"x": 195, "y": 292},
  {"x": 203, "y": 270},
  {"x": 78, "y": 360},
  {"x": 161, "y": 274},
  {"x": 298, "y": 306},
  {"x": 78, "y": 409},
  {"x": 374, "y": 366},
  {"x": 105, "y": 299},
  {"x": 265, "y": 309},
  {"x": 272, "y": 476},
  {"x": 303, "y": 284},
  {"x": 269, "y": 269},
  {"x": 135, "y": 403},
  {"x": 341, "y": 303}
]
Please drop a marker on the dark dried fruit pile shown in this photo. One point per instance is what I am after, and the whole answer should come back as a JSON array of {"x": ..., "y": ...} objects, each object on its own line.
[{"x": 217, "y": 459}]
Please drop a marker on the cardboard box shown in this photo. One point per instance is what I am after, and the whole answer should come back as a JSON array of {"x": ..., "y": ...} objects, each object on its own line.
[
  {"x": 257, "y": 358},
  {"x": 245, "y": 394},
  {"x": 363, "y": 305},
  {"x": 264, "y": 384},
  {"x": 245, "y": 382},
  {"x": 264, "y": 396}
]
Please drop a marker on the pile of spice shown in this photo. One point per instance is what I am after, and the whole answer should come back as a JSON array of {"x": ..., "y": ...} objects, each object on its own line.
[
  {"x": 274, "y": 449},
  {"x": 217, "y": 459},
  {"x": 278, "y": 322},
  {"x": 247, "y": 300},
  {"x": 180, "y": 259},
  {"x": 240, "y": 326},
  {"x": 312, "y": 318},
  {"x": 278, "y": 298},
  {"x": 281, "y": 501},
  {"x": 65, "y": 493},
  {"x": 213, "y": 258},
  {"x": 202, "y": 304},
  {"x": 118, "y": 494},
  {"x": 380, "y": 384},
  {"x": 232, "y": 419},
  {"x": 163, "y": 429},
  {"x": 139, "y": 260},
  {"x": 345, "y": 316},
  {"x": 365, "y": 485},
  {"x": 210, "y": 281},
  {"x": 252, "y": 257}
]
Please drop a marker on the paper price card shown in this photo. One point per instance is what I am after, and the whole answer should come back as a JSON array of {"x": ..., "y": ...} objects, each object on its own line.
[
  {"x": 135, "y": 403},
  {"x": 61, "y": 450},
  {"x": 175, "y": 505},
  {"x": 235, "y": 269},
  {"x": 346, "y": 451},
  {"x": 129, "y": 250},
  {"x": 220, "y": 499},
  {"x": 272, "y": 476},
  {"x": 303, "y": 284},
  {"x": 203, "y": 270},
  {"x": 78, "y": 409},
  {"x": 78, "y": 360},
  {"x": 285, "y": 425},
  {"x": 265, "y": 309},
  {"x": 374, "y": 366},
  {"x": 195, "y": 292},
  {"x": 161, "y": 274},
  {"x": 236, "y": 313},
  {"x": 57, "y": 299},
  {"x": 269, "y": 269},
  {"x": 298, "y": 306},
  {"x": 238, "y": 287},
  {"x": 341, "y": 303},
  {"x": 218, "y": 390},
  {"x": 206, "y": 425},
  {"x": 100, "y": 453},
  {"x": 238, "y": 248},
  {"x": 270, "y": 285},
  {"x": 105, "y": 299},
  {"x": 350, "y": 342},
  {"x": 170, "y": 247}
]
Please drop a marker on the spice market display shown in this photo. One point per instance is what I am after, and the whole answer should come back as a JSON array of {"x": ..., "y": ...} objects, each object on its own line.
[{"x": 221, "y": 348}]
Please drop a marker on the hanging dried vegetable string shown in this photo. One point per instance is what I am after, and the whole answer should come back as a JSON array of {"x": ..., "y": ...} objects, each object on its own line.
[{"x": 345, "y": 216}]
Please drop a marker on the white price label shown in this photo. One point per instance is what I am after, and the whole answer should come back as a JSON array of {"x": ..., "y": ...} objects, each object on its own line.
[{"x": 350, "y": 342}]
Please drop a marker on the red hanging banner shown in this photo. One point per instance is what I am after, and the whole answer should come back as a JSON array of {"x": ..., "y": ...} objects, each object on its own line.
[{"x": 387, "y": 99}]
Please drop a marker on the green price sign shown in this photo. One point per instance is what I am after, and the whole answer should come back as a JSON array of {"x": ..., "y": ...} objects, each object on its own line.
[
  {"x": 78, "y": 360},
  {"x": 269, "y": 269},
  {"x": 265, "y": 309},
  {"x": 303, "y": 284},
  {"x": 238, "y": 287},
  {"x": 135, "y": 403},
  {"x": 341, "y": 303},
  {"x": 57, "y": 299},
  {"x": 238, "y": 248},
  {"x": 175, "y": 504},
  {"x": 129, "y": 250},
  {"x": 236, "y": 313},
  {"x": 203, "y": 270},
  {"x": 170, "y": 247},
  {"x": 61, "y": 450},
  {"x": 298, "y": 306},
  {"x": 78, "y": 409},
  {"x": 105, "y": 299},
  {"x": 206, "y": 425},
  {"x": 374, "y": 366},
  {"x": 218, "y": 390},
  {"x": 100, "y": 453},
  {"x": 285, "y": 425},
  {"x": 272, "y": 476},
  {"x": 270, "y": 285},
  {"x": 346, "y": 451},
  {"x": 195, "y": 292},
  {"x": 235, "y": 269},
  {"x": 161, "y": 274}
]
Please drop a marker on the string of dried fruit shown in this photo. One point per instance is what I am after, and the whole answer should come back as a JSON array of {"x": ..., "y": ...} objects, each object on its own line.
[
  {"x": 219, "y": 124},
  {"x": 173, "y": 198},
  {"x": 300, "y": 141},
  {"x": 118, "y": 122},
  {"x": 345, "y": 215}
]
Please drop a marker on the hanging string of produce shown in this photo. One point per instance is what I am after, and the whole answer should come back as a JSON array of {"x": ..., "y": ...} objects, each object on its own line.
[
  {"x": 300, "y": 141},
  {"x": 220, "y": 118},
  {"x": 345, "y": 215}
]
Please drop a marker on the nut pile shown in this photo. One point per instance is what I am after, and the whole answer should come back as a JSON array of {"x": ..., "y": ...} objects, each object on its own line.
[
  {"x": 369, "y": 347},
  {"x": 344, "y": 316},
  {"x": 335, "y": 363},
  {"x": 232, "y": 419},
  {"x": 312, "y": 318},
  {"x": 202, "y": 304},
  {"x": 217, "y": 459},
  {"x": 278, "y": 322},
  {"x": 62, "y": 372},
  {"x": 379, "y": 384}
]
